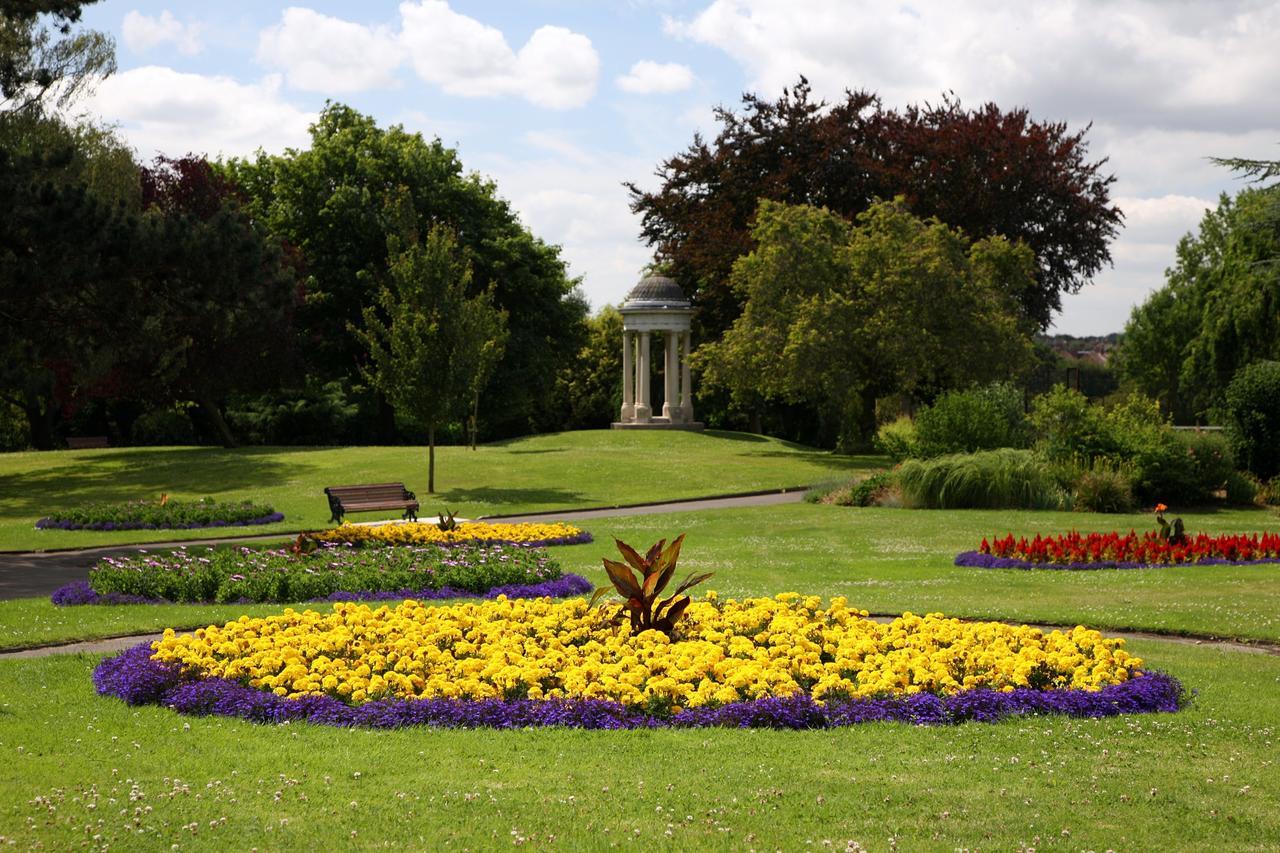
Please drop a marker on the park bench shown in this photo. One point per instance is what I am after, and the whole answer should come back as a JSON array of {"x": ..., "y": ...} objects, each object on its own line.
[
  {"x": 87, "y": 442},
  {"x": 367, "y": 498}
]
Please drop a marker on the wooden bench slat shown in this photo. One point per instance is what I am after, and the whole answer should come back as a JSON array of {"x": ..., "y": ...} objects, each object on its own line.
[{"x": 374, "y": 496}]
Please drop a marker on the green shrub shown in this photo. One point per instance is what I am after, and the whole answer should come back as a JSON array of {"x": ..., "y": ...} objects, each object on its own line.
[
  {"x": 1243, "y": 488},
  {"x": 1165, "y": 464},
  {"x": 1103, "y": 487},
  {"x": 1252, "y": 414},
  {"x": 161, "y": 427},
  {"x": 975, "y": 419},
  {"x": 13, "y": 428},
  {"x": 1269, "y": 494},
  {"x": 897, "y": 439},
  {"x": 863, "y": 491},
  {"x": 1007, "y": 478}
]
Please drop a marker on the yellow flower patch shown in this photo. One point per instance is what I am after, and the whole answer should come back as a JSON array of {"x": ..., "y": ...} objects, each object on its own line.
[
  {"x": 727, "y": 651},
  {"x": 421, "y": 533}
]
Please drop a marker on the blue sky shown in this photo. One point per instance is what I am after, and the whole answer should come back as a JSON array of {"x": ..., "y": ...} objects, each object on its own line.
[{"x": 560, "y": 101}]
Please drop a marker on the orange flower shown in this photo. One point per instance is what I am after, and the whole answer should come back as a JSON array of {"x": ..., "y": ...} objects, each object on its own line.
[{"x": 1161, "y": 507}]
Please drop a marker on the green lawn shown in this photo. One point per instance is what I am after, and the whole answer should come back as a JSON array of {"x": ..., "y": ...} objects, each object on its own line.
[
  {"x": 574, "y": 469},
  {"x": 884, "y": 560},
  {"x": 83, "y": 770}
]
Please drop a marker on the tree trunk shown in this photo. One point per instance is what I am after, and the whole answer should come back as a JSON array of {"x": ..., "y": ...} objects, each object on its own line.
[
  {"x": 39, "y": 422},
  {"x": 219, "y": 423},
  {"x": 475, "y": 420},
  {"x": 756, "y": 427},
  {"x": 431, "y": 460}
]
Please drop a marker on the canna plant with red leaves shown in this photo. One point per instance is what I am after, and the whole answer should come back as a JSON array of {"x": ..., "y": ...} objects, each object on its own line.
[{"x": 642, "y": 595}]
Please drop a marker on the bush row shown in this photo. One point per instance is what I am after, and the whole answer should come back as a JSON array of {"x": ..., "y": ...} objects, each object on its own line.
[{"x": 160, "y": 515}]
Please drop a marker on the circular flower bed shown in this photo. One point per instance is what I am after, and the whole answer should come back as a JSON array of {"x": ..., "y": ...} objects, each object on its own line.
[
  {"x": 422, "y": 533},
  {"x": 331, "y": 572},
  {"x": 1076, "y": 551},
  {"x": 164, "y": 514},
  {"x": 785, "y": 662}
]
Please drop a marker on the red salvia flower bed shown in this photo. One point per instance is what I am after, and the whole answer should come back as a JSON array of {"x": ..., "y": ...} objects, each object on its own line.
[{"x": 1144, "y": 549}]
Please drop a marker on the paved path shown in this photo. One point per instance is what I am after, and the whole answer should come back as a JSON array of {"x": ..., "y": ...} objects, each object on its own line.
[{"x": 40, "y": 573}]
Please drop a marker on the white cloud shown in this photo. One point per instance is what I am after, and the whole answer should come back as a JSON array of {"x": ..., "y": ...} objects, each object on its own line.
[
  {"x": 319, "y": 53},
  {"x": 142, "y": 33},
  {"x": 646, "y": 77},
  {"x": 160, "y": 110},
  {"x": 555, "y": 68},
  {"x": 572, "y": 197}
]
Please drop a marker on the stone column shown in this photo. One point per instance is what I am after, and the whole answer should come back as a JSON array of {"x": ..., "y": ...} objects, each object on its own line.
[
  {"x": 628, "y": 387},
  {"x": 642, "y": 381},
  {"x": 671, "y": 379},
  {"x": 686, "y": 380}
]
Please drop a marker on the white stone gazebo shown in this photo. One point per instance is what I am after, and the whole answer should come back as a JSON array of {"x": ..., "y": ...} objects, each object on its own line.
[{"x": 656, "y": 305}]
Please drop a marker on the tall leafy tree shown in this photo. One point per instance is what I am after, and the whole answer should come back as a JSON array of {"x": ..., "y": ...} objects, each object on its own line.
[
  {"x": 42, "y": 57},
  {"x": 986, "y": 171},
  {"x": 427, "y": 338},
  {"x": 69, "y": 239},
  {"x": 357, "y": 185},
  {"x": 1218, "y": 311},
  {"x": 838, "y": 314},
  {"x": 222, "y": 292}
]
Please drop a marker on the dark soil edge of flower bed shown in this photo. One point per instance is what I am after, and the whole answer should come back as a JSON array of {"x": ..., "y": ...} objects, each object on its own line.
[
  {"x": 979, "y": 560},
  {"x": 53, "y": 524},
  {"x": 80, "y": 592},
  {"x": 138, "y": 680}
]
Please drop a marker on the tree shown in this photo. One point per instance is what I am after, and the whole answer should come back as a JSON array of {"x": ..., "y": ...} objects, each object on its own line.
[
  {"x": 358, "y": 185},
  {"x": 988, "y": 172},
  {"x": 1218, "y": 311},
  {"x": 68, "y": 243},
  {"x": 221, "y": 296},
  {"x": 41, "y": 60},
  {"x": 838, "y": 314},
  {"x": 589, "y": 388},
  {"x": 426, "y": 338}
]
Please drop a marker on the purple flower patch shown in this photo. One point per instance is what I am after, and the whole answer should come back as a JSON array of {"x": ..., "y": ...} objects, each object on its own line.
[
  {"x": 979, "y": 560},
  {"x": 138, "y": 680},
  {"x": 67, "y": 524}
]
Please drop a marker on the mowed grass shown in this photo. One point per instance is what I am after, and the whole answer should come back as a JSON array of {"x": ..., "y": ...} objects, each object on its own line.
[
  {"x": 563, "y": 470},
  {"x": 884, "y": 560},
  {"x": 84, "y": 770}
]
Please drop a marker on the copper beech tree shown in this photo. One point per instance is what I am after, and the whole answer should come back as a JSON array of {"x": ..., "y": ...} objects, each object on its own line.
[{"x": 986, "y": 171}]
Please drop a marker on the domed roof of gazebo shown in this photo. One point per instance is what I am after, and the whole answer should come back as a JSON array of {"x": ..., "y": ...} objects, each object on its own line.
[{"x": 656, "y": 291}]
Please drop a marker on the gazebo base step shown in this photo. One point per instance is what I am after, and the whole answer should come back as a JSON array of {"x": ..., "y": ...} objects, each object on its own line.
[{"x": 662, "y": 423}]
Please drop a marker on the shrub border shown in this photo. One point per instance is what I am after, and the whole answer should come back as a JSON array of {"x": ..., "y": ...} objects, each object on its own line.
[
  {"x": 49, "y": 523},
  {"x": 80, "y": 592},
  {"x": 979, "y": 560},
  {"x": 138, "y": 680}
]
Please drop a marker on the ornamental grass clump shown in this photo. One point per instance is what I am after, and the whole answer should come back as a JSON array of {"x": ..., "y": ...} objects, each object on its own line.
[
  {"x": 992, "y": 479},
  {"x": 162, "y": 514},
  {"x": 642, "y": 600}
]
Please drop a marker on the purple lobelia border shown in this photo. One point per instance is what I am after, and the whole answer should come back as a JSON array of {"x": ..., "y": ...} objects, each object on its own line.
[
  {"x": 80, "y": 592},
  {"x": 976, "y": 559},
  {"x": 138, "y": 680},
  {"x": 64, "y": 524}
]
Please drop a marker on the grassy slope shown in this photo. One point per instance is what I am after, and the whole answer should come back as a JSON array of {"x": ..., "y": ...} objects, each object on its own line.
[
  {"x": 575, "y": 469},
  {"x": 83, "y": 769},
  {"x": 884, "y": 560}
]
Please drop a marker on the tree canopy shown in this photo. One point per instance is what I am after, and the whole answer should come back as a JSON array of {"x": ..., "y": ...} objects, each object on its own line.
[
  {"x": 1219, "y": 309},
  {"x": 837, "y": 314},
  {"x": 357, "y": 185},
  {"x": 429, "y": 342},
  {"x": 986, "y": 171}
]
